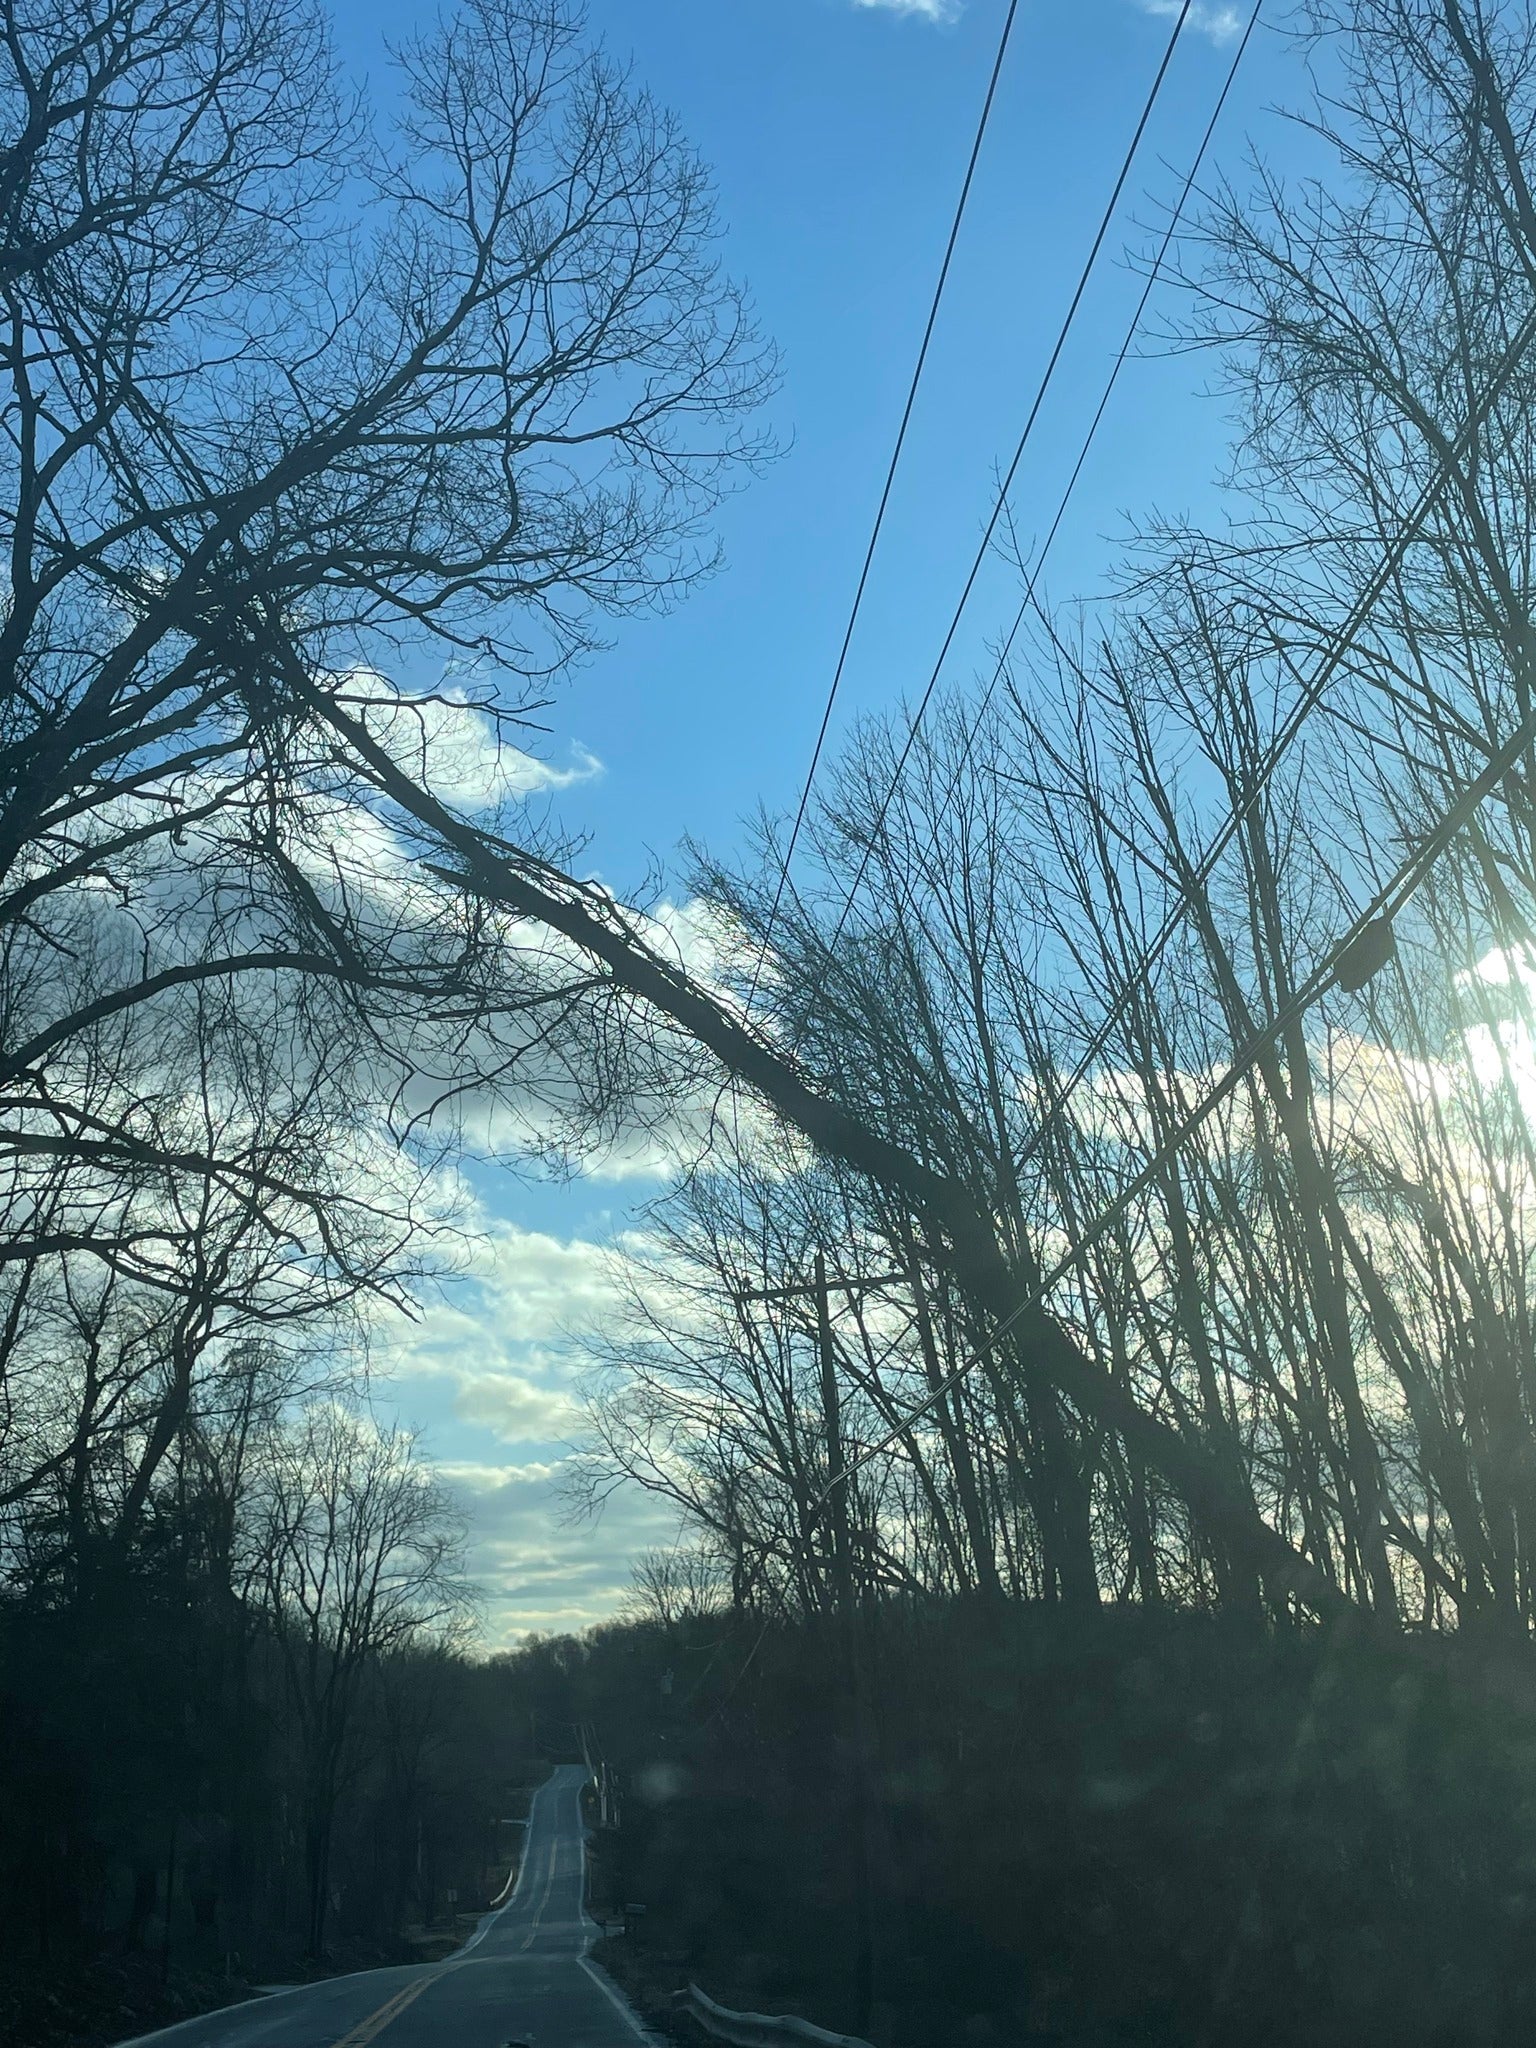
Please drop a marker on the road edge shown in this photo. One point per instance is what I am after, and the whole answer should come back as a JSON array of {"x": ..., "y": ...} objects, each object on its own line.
[
  {"x": 614, "y": 1993},
  {"x": 158, "y": 2034}
]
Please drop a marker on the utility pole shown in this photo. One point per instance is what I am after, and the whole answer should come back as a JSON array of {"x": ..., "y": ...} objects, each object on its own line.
[
  {"x": 845, "y": 1617},
  {"x": 831, "y": 1408},
  {"x": 847, "y": 1623}
]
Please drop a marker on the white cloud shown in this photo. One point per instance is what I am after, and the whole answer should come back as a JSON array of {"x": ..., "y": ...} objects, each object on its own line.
[
  {"x": 676, "y": 1110},
  {"x": 493, "y": 1336},
  {"x": 1211, "y": 18},
  {"x": 540, "y": 1570},
  {"x": 1219, "y": 22},
  {"x": 449, "y": 741},
  {"x": 927, "y": 10},
  {"x": 478, "y": 1480},
  {"x": 534, "y": 1286},
  {"x": 486, "y": 1365},
  {"x": 515, "y": 1410}
]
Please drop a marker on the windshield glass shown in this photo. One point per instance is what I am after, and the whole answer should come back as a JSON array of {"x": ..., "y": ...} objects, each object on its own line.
[{"x": 767, "y": 972}]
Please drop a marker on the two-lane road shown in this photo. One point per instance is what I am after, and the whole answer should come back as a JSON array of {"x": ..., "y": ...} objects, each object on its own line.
[{"x": 522, "y": 1977}]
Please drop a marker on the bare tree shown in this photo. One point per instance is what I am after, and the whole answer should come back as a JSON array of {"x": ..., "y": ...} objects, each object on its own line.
[
  {"x": 357, "y": 1555},
  {"x": 1309, "y": 1323},
  {"x": 671, "y": 1587},
  {"x": 308, "y": 424},
  {"x": 283, "y": 397}
]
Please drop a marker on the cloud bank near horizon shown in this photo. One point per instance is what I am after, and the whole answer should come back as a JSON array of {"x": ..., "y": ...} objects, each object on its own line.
[{"x": 487, "y": 1368}]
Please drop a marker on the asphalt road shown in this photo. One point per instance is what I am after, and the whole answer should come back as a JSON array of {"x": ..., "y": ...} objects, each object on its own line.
[{"x": 522, "y": 1976}]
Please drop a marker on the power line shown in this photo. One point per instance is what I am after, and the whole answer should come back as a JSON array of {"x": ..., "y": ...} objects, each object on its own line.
[
  {"x": 1382, "y": 908},
  {"x": 1388, "y": 900},
  {"x": 1339, "y": 643},
  {"x": 1088, "y": 440},
  {"x": 952, "y": 242},
  {"x": 1311, "y": 695},
  {"x": 1013, "y": 468},
  {"x": 996, "y": 514},
  {"x": 1002, "y": 498},
  {"x": 1333, "y": 654},
  {"x": 890, "y": 479}
]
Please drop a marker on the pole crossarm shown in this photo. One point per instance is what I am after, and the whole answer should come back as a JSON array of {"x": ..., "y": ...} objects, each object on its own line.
[{"x": 800, "y": 1290}]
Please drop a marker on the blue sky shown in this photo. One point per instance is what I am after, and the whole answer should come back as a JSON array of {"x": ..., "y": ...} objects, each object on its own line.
[{"x": 837, "y": 131}]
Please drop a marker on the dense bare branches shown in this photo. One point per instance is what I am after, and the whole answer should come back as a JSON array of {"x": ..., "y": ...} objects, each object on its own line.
[
  {"x": 278, "y": 395},
  {"x": 321, "y": 441},
  {"x": 356, "y": 1556},
  {"x": 1311, "y": 1318},
  {"x": 287, "y": 402}
]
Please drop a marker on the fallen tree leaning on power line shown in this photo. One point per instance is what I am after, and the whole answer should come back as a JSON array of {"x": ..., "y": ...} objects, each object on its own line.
[{"x": 591, "y": 921}]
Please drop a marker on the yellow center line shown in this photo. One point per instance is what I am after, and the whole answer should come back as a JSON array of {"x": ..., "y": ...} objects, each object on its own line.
[
  {"x": 377, "y": 2021},
  {"x": 368, "y": 2029}
]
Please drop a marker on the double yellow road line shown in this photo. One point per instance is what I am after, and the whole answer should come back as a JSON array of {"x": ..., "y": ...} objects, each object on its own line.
[
  {"x": 370, "y": 2028},
  {"x": 376, "y": 2022}
]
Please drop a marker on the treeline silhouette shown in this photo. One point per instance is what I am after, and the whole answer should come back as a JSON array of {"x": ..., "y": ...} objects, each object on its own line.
[
  {"x": 242, "y": 1746},
  {"x": 1144, "y": 1828}
]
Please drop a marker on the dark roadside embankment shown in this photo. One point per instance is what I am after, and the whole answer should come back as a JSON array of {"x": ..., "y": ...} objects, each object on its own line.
[{"x": 1138, "y": 1828}]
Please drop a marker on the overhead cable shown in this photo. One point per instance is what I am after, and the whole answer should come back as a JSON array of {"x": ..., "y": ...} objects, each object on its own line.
[
  {"x": 1381, "y": 909},
  {"x": 890, "y": 479},
  {"x": 1005, "y": 489}
]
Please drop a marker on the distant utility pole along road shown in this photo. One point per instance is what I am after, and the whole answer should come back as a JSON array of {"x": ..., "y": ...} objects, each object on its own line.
[{"x": 523, "y": 1976}]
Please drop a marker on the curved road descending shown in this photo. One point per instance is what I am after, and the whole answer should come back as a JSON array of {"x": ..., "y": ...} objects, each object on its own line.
[{"x": 522, "y": 1977}]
